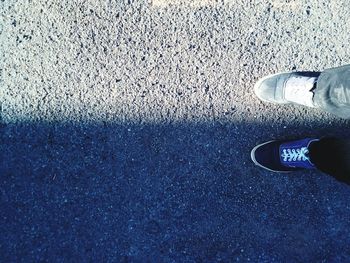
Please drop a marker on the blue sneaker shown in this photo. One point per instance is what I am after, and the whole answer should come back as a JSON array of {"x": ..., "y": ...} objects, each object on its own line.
[{"x": 283, "y": 155}]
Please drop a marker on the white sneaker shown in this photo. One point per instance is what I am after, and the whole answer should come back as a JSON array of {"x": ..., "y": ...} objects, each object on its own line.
[{"x": 288, "y": 88}]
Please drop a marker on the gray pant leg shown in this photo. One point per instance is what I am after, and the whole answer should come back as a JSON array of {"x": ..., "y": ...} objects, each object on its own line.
[{"x": 332, "y": 92}]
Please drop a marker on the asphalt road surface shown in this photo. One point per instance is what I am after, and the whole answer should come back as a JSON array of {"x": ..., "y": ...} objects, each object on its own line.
[{"x": 126, "y": 129}]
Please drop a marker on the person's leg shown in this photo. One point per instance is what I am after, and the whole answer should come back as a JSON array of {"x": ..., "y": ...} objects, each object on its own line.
[
  {"x": 332, "y": 156},
  {"x": 328, "y": 90},
  {"x": 332, "y": 92}
]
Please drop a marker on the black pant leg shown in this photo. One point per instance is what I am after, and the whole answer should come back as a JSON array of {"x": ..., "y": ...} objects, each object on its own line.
[{"x": 332, "y": 156}]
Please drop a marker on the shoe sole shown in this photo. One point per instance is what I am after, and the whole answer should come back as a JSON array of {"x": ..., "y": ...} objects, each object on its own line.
[{"x": 252, "y": 156}]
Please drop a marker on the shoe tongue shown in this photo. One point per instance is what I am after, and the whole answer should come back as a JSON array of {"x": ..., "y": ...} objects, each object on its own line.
[{"x": 298, "y": 90}]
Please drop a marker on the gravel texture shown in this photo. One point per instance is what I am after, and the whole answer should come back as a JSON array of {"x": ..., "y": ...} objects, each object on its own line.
[{"x": 126, "y": 129}]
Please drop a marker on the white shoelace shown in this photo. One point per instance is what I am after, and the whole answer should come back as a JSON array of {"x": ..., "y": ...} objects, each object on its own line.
[
  {"x": 290, "y": 155},
  {"x": 298, "y": 90}
]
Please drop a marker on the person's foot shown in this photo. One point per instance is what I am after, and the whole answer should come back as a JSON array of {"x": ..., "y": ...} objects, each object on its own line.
[
  {"x": 283, "y": 155},
  {"x": 284, "y": 88}
]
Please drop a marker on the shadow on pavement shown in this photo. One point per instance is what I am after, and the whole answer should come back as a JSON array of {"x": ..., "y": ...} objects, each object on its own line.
[{"x": 163, "y": 193}]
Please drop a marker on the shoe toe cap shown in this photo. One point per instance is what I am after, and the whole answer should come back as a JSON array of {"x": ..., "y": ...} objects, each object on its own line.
[
  {"x": 267, "y": 156},
  {"x": 269, "y": 89},
  {"x": 263, "y": 155}
]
